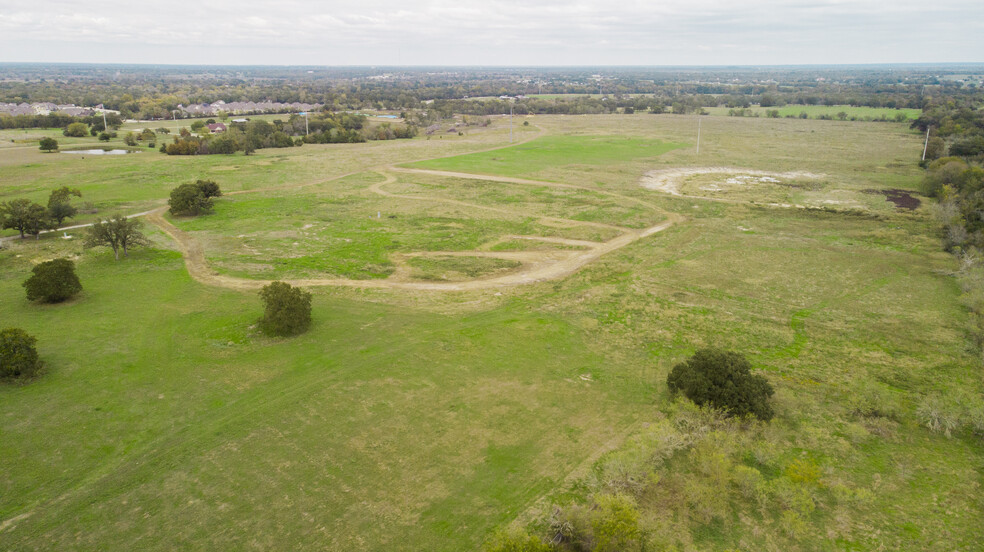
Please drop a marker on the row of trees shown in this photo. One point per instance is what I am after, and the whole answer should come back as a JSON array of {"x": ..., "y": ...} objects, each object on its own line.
[
  {"x": 59, "y": 120},
  {"x": 31, "y": 218},
  {"x": 323, "y": 128}
]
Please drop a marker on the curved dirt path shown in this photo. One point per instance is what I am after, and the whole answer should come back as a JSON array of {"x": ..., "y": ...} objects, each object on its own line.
[{"x": 538, "y": 266}]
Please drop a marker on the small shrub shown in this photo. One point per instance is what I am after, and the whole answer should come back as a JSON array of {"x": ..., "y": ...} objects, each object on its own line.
[
  {"x": 793, "y": 525},
  {"x": 723, "y": 380},
  {"x": 18, "y": 357},
  {"x": 572, "y": 526},
  {"x": 803, "y": 471},
  {"x": 937, "y": 415},
  {"x": 515, "y": 540},
  {"x": 287, "y": 309},
  {"x": 53, "y": 282},
  {"x": 749, "y": 482}
]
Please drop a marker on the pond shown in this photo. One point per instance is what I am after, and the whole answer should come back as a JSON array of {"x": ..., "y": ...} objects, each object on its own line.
[{"x": 101, "y": 152}]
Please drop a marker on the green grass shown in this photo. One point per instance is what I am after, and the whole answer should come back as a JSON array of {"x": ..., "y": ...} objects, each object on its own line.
[
  {"x": 200, "y": 422},
  {"x": 423, "y": 421},
  {"x": 132, "y": 183},
  {"x": 554, "y": 151}
]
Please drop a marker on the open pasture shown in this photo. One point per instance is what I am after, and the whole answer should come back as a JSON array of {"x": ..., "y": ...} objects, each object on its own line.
[{"x": 410, "y": 419}]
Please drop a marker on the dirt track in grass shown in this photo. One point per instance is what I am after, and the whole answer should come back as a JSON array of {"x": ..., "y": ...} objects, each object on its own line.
[{"x": 537, "y": 266}]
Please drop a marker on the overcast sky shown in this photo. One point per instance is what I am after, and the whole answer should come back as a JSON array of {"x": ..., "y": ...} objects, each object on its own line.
[{"x": 493, "y": 32}]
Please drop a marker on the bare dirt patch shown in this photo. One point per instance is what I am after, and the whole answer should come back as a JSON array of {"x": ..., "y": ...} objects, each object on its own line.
[
  {"x": 668, "y": 180},
  {"x": 901, "y": 198}
]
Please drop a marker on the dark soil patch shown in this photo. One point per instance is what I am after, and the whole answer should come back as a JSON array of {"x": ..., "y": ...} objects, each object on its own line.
[{"x": 901, "y": 198}]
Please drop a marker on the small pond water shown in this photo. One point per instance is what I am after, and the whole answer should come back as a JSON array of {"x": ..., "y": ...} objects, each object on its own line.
[{"x": 101, "y": 152}]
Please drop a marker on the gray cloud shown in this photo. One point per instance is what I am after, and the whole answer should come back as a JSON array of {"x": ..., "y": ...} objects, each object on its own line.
[{"x": 501, "y": 32}]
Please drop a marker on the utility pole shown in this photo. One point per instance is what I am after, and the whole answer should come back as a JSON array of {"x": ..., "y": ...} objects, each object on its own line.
[
  {"x": 698, "y": 135},
  {"x": 106, "y": 127},
  {"x": 510, "y": 121},
  {"x": 307, "y": 129},
  {"x": 926, "y": 145}
]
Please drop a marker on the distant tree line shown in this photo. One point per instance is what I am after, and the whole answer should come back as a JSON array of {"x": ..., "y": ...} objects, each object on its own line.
[
  {"x": 58, "y": 120},
  {"x": 320, "y": 128},
  {"x": 145, "y": 93}
]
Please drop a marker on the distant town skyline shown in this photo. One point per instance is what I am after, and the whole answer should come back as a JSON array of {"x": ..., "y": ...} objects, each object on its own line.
[{"x": 505, "y": 32}]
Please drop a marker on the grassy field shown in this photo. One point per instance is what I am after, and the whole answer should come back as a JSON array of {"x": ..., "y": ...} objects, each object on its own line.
[
  {"x": 555, "y": 151},
  {"x": 132, "y": 183},
  {"x": 425, "y": 420}
]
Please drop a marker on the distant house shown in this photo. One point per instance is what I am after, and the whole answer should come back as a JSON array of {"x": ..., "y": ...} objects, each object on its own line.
[{"x": 216, "y": 128}]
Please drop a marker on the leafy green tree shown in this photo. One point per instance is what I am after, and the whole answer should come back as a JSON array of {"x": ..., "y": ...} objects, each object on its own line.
[
  {"x": 18, "y": 357},
  {"x": 209, "y": 188},
  {"x": 287, "y": 309},
  {"x": 968, "y": 147},
  {"x": 130, "y": 139},
  {"x": 935, "y": 148},
  {"x": 723, "y": 380},
  {"x": 49, "y": 144},
  {"x": 60, "y": 204},
  {"x": 76, "y": 130},
  {"x": 104, "y": 136},
  {"x": 197, "y": 126},
  {"x": 189, "y": 199},
  {"x": 24, "y": 216},
  {"x": 118, "y": 233},
  {"x": 53, "y": 281}
]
